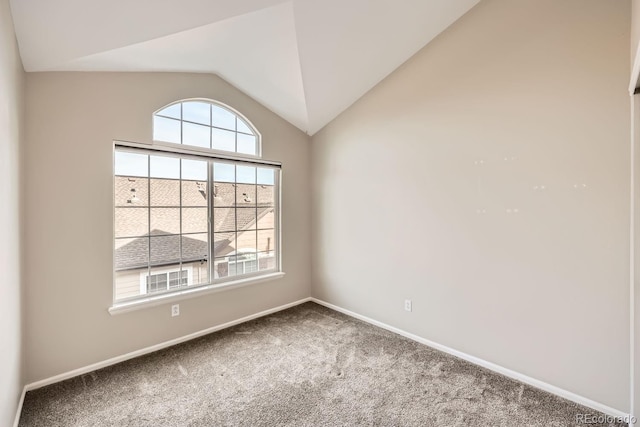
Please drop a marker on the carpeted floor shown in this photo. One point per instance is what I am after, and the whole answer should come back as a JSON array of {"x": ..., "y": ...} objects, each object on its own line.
[{"x": 306, "y": 366}]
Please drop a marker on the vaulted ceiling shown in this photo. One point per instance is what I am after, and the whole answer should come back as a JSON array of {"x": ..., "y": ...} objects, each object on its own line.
[{"x": 306, "y": 60}]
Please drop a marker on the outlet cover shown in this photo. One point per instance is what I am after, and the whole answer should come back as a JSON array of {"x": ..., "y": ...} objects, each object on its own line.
[
  {"x": 407, "y": 305},
  {"x": 175, "y": 310}
]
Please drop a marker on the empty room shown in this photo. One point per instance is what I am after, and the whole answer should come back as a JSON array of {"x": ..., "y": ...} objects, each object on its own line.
[{"x": 310, "y": 213}]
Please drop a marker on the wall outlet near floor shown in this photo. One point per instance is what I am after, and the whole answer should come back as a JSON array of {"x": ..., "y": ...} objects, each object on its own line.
[
  {"x": 407, "y": 305},
  {"x": 175, "y": 310}
]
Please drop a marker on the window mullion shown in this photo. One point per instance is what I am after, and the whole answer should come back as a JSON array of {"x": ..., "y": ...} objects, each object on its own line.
[
  {"x": 180, "y": 226},
  {"x": 146, "y": 289},
  {"x": 277, "y": 226},
  {"x": 235, "y": 212},
  {"x": 236, "y": 232},
  {"x": 211, "y": 220},
  {"x": 211, "y": 126},
  {"x": 255, "y": 199}
]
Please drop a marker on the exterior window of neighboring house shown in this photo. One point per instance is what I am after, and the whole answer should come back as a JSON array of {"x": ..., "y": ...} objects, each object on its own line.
[
  {"x": 187, "y": 215},
  {"x": 243, "y": 262},
  {"x": 164, "y": 280}
]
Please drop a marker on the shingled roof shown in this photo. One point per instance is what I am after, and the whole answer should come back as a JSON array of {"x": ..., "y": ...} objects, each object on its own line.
[
  {"x": 236, "y": 207},
  {"x": 165, "y": 250}
]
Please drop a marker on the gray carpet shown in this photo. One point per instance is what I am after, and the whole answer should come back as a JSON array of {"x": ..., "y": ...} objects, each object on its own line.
[{"x": 306, "y": 366}]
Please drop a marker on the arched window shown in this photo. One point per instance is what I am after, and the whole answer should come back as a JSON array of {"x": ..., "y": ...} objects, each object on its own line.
[
  {"x": 193, "y": 217},
  {"x": 206, "y": 124}
]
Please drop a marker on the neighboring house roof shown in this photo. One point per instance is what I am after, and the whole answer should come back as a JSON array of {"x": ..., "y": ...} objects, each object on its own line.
[
  {"x": 165, "y": 250},
  {"x": 227, "y": 196},
  {"x": 167, "y": 192},
  {"x": 236, "y": 207}
]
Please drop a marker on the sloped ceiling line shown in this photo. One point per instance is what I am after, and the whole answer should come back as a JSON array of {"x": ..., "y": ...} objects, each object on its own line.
[{"x": 306, "y": 60}]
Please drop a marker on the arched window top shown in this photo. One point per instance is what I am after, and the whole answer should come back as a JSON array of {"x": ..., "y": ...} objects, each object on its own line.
[{"x": 206, "y": 124}]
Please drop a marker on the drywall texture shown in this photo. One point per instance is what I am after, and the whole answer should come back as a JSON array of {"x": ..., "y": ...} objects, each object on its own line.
[
  {"x": 72, "y": 119},
  {"x": 487, "y": 179},
  {"x": 11, "y": 119},
  {"x": 635, "y": 29}
]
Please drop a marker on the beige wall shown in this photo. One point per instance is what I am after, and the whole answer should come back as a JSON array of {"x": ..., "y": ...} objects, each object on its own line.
[
  {"x": 11, "y": 119},
  {"x": 413, "y": 197},
  {"x": 635, "y": 29},
  {"x": 72, "y": 119},
  {"x": 635, "y": 40}
]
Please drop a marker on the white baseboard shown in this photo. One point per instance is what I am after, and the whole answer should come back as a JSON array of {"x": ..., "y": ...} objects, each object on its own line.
[
  {"x": 472, "y": 359},
  {"x": 16, "y": 420},
  {"x": 151, "y": 349},
  {"x": 485, "y": 364}
]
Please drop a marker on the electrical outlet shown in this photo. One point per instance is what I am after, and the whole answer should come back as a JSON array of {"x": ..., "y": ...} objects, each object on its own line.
[
  {"x": 407, "y": 305},
  {"x": 175, "y": 310}
]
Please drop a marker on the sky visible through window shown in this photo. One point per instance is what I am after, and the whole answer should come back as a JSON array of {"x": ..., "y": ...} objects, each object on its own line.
[
  {"x": 206, "y": 125},
  {"x": 143, "y": 165}
]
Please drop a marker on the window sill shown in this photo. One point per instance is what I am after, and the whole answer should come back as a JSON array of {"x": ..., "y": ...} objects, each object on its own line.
[{"x": 153, "y": 301}]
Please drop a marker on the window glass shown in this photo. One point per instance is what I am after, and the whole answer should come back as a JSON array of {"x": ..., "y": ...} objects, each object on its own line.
[
  {"x": 166, "y": 130},
  {"x": 131, "y": 164},
  {"x": 243, "y": 127},
  {"x": 246, "y": 174},
  {"x": 205, "y": 124},
  {"x": 224, "y": 172},
  {"x": 192, "y": 219},
  {"x": 198, "y": 112},
  {"x": 172, "y": 111},
  {"x": 164, "y": 167},
  {"x": 196, "y": 135},
  {"x": 246, "y": 144},
  {"x": 223, "y": 118},
  {"x": 182, "y": 221},
  {"x": 223, "y": 139}
]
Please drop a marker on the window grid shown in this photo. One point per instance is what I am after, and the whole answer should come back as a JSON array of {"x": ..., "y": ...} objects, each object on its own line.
[
  {"x": 180, "y": 162},
  {"x": 211, "y": 126},
  {"x": 149, "y": 214},
  {"x": 238, "y": 263},
  {"x": 210, "y": 234}
]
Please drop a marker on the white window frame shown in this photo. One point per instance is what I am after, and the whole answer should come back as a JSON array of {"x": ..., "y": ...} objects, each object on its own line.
[
  {"x": 232, "y": 110},
  {"x": 216, "y": 284}
]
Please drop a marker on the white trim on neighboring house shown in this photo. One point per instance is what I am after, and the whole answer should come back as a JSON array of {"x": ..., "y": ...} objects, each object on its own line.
[
  {"x": 565, "y": 394},
  {"x": 145, "y": 273}
]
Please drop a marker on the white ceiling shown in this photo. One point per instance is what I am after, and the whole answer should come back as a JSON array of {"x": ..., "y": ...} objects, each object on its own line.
[{"x": 306, "y": 60}]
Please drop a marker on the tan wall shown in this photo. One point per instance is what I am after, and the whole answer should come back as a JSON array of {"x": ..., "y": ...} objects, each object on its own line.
[
  {"x": 635, "y": 29},
  {"x": 72, "y": 119},
  {"x": 635, "y": 41},
  {"x": 413, "y": 197},
  {"x": 11, "y": 119}
]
